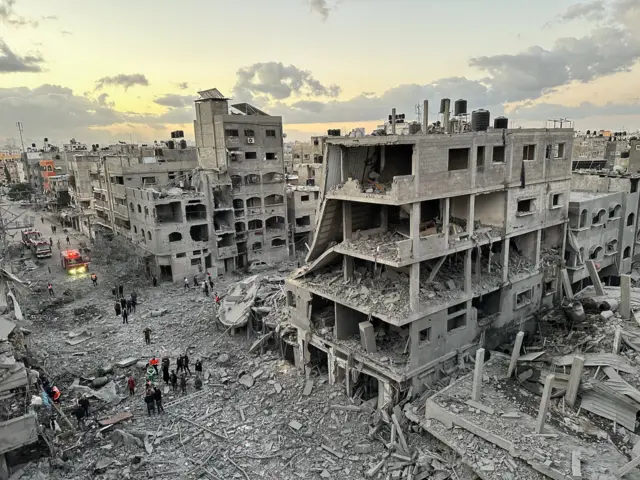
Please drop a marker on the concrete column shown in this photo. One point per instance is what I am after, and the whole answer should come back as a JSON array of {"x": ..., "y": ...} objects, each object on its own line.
[
  {"x": 414, "y": 228},
  {"x": 467, "y": 272},
  {"x": 544, "y": 403},
  {"x": 425, "y": 116},
  {"x": 331, "y": 361},
  {"x": 574, "y": 380},
  {"x": 515, "y": 354},
  {"x": 617, "y": 341},
  {"x": 538, "y": 248},
  {"x": 477, "y": 375},
  {"x": 472, "y": 213},
  {"x": 347, "y": 221},
  {"x": 384, "y": 217},
  {"x": 4, "y": 469},
  {"x": 346, "y": 322},
  {"x": 505, "y": 260},
  {"x": 393, "y": 121},
  {"x": 367, "y": 337},
  {"x": 478, "y": 266},
  {"x": 414, "y": 287},
  {"x": 385, "y": 394},
  {"x": 445, "y": 221},
  {"x": 347, "y": 263},
  {"x": 625, "y": 296},
  {"x": 595, "y": 278}
]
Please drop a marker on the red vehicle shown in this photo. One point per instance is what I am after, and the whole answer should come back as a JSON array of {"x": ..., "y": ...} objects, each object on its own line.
[
  {"x": 29, "y": 235},
  {"x": 73, "y": 262},
  {"x": 41, "y": 248}
]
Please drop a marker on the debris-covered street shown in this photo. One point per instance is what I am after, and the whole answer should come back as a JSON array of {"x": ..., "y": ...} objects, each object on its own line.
[{"x": 255, "y": 415}]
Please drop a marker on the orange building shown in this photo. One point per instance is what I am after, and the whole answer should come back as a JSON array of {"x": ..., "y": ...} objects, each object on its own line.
[{"x": 47, "y": 169}]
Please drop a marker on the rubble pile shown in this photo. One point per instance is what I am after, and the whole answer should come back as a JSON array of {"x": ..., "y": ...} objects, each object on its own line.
[{"x": 378, "y": 245}]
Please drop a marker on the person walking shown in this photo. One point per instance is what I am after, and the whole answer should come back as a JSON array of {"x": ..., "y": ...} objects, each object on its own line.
[
  {"x": 149, "y": 399},
  {"x": 186, "y": 283},
  {"x": 129, "y": 305},
  {"x": 154, "y": 280},
  {"x": 116, "y": 307},
  {"x": 185, "y": 363},
  {"x": 195, "y": 281},
  {"x": 154, "y": 362},
  {"x": 94, "y": 279},
  {"x": 157, "y": 395},
  {"x": 147, "y": 336},
  {"x": 134, "y": 300},
  {"x": 42, "y": 219},
  {"x": 131, "y": 383},
  {"x": 165, "y": 372},
  {"x": 68, "y": 241},
  {"x": 121, "y": 291},
  {"x": 183, "y": 384},
  {"x": 179, "y": 364},
  {"x": 58, "y": 243},
  {"x": 205, "y": 287},
  {"x": 114, "y": 292},
  {"x": 210, "y": 280},
  {"x": 198, "y": 367},
  {"x": 50, "y": 288},
  {"x": 174, "y": 380},
  {"x": 125, "y": 317},
  {"x": 50, "y": 241},
  {"x": 123, "y": 303}
]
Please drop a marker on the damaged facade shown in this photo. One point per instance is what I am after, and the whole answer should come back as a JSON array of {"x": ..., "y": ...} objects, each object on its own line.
[
  {"x": 423, "y": 244},
  {"x": 240, "y": 152},
  {"x": 302, "y": 203},
  {"x": 603, "y": 226}
]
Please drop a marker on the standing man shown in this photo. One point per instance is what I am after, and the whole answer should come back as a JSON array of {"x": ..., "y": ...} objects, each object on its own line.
[
  {"x": 121, "y": 291},
  {"x": 50, "y": 242},
  {"x": 147, "y": 336},
  {"x": 198, "y": 367},
  {"x": 94, "y": 279},
  {"x": 114, "y": 292},
  {"x": 183, "y": 384},
  {"x": 174, "y": 380},
  {"x": 125, "y": 317},
  {"x": 186, "y": 283},
  {"x": 68, "y": 241},
  {"x": 157, "y": 395},
  {"x": 195, "y": 281},
  {"x": 210, "y": 281},
  {"x": 134, "y": 300},
  {"x": 154, "y": 362},
  {"x": 179, "y": 364},
  {"x": 58, "y": 244},
  {"x": 131, "y": 383},
  {"x": 185, "y": 363},
  {"x": 149, "y": 399},
  {"x": 123, "y": 303},
  {"x": 116, "y": 307},
  {"x": 129, "y": 305},
  {"x": 50, "y": 288},
  {"x": 165, "y": 370},
  {"x": 154, "y": 280},
  {"x": 205, "y": 288}
]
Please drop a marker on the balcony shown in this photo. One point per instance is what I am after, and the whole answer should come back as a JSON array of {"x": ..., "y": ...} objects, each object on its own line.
[
  {"x": 227, "y": 252},
  {"x": 400, "y": 190}
]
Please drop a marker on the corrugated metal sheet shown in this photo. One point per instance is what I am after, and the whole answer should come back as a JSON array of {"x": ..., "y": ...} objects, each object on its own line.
[
  {"x": 329, "y": 228},
  {"x": 604, "y": 407},
  {"x": 598, "y": 359}
]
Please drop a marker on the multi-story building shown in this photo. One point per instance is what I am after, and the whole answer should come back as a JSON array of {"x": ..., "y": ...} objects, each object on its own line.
[
  {"x": 59, "y": 191},
  {"x": 240, "y": 152},
  {"x": 603, "y": 212},
  {"x": 596, "y": 152},
  {"x": 424, "y": 243},
  {"x": 302, "y": 202}
]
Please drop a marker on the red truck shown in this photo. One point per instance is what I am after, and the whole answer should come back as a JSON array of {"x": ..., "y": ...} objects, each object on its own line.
[
  {"x": 73, "y": 262},
  {"x": 34, "y": 241}
]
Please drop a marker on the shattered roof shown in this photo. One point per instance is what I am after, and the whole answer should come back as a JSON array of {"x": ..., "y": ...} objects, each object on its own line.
[{"x": 248, "y": 109}]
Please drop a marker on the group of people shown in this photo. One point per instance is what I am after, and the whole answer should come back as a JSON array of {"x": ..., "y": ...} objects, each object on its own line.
[{"x": 124, "y": 306}]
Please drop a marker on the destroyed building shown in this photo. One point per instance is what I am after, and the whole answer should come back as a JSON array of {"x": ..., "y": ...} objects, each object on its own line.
[
  {"x": 302, "y": 203},
  {"x": 240, "y": 151},
  {"x": 603, "y": 211},
  {"x": 425, "y": 242}
]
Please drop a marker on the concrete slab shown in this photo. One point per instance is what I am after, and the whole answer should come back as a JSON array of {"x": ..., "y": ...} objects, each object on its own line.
[
  {"x": 6, "y": 327},
  {"x": 17, "y": 432},
  {"x": 367, "y": 337},
  {"x": 127, "y": 362}
]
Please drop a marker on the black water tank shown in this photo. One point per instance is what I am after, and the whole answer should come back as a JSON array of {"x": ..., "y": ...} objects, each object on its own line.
[
  {"x": 460, "y": 107},
  {"x": 183, "y": 144},
  {"x": 443, "y": 104},
  {"x": 171, "y": 144},
  {"x": 501, "y": 123},
  {"x": 480, "y": 120}
]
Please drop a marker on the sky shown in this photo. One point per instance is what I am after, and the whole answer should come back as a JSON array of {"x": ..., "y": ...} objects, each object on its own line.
[{"x": 101, "y": 71}]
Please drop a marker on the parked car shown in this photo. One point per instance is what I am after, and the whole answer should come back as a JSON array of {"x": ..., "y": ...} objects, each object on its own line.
[{"x": 258, "y": 266}]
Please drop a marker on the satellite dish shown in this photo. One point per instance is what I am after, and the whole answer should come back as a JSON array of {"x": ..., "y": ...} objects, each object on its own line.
[{"x": 284, "y": 135}]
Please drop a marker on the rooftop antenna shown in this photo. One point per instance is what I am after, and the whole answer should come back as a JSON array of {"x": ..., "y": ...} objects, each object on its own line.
[{"x": 21, "y": 129}]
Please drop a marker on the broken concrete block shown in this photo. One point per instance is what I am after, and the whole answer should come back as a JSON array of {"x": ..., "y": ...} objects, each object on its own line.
[
  {"x": 222, "y": 359},
  {"x": 295, "y": 425},
  {"x": 141, "y": 364},
  {"x": 325, "y": 474},
  {"x": 99, "y": 382},
  {"x": 127, "y": 362},
  {"x": 278, "y": 387},
  {"x": 363, "y": 448},
  {"x": 246, "y": 380},
  {"x": 159, "y": 312},
  {"x": 103, "y": 464},
  {"x": 119, "y": 437},
  {"x": 308, "y": 387},
  {"x": 367, "y": 336}
]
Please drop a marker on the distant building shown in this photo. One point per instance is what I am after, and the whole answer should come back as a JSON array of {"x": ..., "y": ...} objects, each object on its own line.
[
  {"x": 240, "y": 151},
  {"x": 302, "y": 204},
  {"x": 596, "y": 152}
]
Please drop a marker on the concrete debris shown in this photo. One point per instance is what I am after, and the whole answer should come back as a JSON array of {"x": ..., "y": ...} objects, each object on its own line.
[
  {"x": 115, "y": 419},
  {"x": 247, "y": 380},
  {"x": 120, "y": 437},
  {"x": 103, "y": 464},
  {"x": 237, "y": 304}
]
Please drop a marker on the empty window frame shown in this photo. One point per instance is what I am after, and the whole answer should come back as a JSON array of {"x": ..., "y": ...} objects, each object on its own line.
[
  {"x": 627, "y": 253},
  {"x": 270, "y": 133},
  {"x": 249, "y": 133},
  {"x": 615, "y": 211},
  {"x": 498, "y": 154},
  {"x": 458, "y": 158},
  {"x": 560, "y": 150},
  {"x": 529, "y": 152},
  {"x": 250, "y": 155},
  {"x": 459, "y": 321},
  {"x": 148, "y": 180},
  {"x": 480, "y": 151},
  {"x": 270, "y": 156},
  {"x": 547, "y": 151},
  {"x": 598, "y": 217},
  {"x": 231, "y": 132},
  {"x": 425, "y": 337},
  {"x": 549, "y": 287},
  {"x": 524, "y": 298},
  {"x": 526, "y": 206},
  {"x": 630, "y": 219},
  {"x": 304, "y": 198}
]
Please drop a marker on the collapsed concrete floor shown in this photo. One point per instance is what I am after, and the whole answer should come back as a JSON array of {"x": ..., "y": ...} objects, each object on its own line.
[{"x": 256, "y": 416}]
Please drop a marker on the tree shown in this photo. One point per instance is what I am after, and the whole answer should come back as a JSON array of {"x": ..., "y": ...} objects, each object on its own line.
[
  {"x": 7, "y": 176},
  {"x": 20, "y": 191}
]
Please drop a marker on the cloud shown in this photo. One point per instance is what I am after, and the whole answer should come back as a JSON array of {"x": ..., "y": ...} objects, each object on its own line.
[
  {"x": 320, "y": 7},
  {"x": 543, "y": 111},
  {"x": 66, "y": 32},
  {"x": 175, "y": 101},
  {"x": 123, "y": 80},
  {"x": 536, "y": 71},
  {"x": 274, "y": 80},
  {"x": 102, "y": 100},
  {"x": 183, "y": 85},
  {"x": 589, "y": 10},
  {"x": 11, "y": 18},
  {"x": 49, "y": 17},
  {"x": 11, "y": 62}
]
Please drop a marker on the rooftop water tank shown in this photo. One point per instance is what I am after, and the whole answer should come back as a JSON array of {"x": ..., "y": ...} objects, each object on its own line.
[
  {"x": 460, "y": 107},
  {"x": 501, "y": 123},
  {"x": 480, "y": 120},
  {"x": 444, "y": 105}
]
